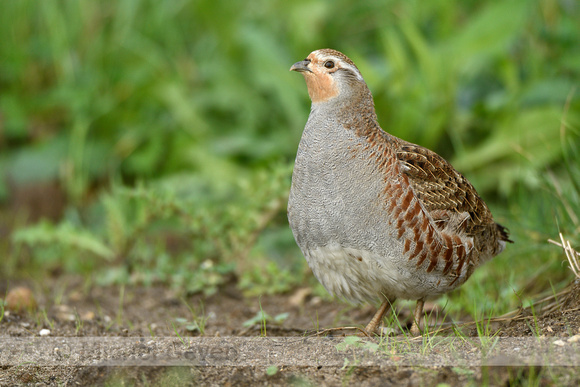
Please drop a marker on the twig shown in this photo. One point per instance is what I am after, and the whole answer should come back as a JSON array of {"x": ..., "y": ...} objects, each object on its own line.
[
  {"x": 324, "y": 331},
  {"x": 571, "y": 254}
]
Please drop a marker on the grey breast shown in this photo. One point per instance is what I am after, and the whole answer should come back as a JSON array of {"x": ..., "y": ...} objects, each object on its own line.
[{"x": 336, "y": 192}]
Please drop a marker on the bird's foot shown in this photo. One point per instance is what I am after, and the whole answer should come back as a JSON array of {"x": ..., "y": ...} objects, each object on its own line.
[{"x": 415, "y": 331}]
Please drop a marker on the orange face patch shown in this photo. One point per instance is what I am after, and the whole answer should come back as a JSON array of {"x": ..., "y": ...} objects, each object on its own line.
[{"x": 321, "y": 86}]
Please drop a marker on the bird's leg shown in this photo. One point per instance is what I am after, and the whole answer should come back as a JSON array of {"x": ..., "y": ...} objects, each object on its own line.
[
  {"x": 417, "y": 317},
  {"x": 378, "y": 317}
]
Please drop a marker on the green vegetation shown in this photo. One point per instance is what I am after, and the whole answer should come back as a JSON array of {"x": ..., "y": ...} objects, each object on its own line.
[
  {"x": 170, "y": 128},
  {"x": 1, "y": 310},
  {"x": 272, "y": 370},
  {"x": 198, "y": 319}
]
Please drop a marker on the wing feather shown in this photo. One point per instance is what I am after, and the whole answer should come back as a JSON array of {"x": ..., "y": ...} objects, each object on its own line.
[{"x": 444, "y": 193}]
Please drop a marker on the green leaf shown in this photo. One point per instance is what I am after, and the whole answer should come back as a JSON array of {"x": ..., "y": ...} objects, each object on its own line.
[
  {"x": 45, "y": 233},
  {"x": 272, "y": 370},
  {"x": 281, "y": 317}
]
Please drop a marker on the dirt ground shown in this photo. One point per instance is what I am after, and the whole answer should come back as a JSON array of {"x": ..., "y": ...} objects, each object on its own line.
[{"x": 70, "y": 310}]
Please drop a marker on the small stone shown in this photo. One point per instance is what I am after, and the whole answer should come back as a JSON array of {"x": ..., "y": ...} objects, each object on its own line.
[
  {"x": 75, "y": 296},
  {"x": 19, "y": 299},
  {"x": 88, "y": 316},
  {"x": 574, "y": 339},
  {"x": 559, "y": 343},
  {"x": 65, "y": 317},
  {"x": 44, "y": 332},
  {"x": 63, "y": 308},
  {"x": 299, "y": 296},
  {"x": 64, "y": 313},
  {"x": 549, "y": 329}
]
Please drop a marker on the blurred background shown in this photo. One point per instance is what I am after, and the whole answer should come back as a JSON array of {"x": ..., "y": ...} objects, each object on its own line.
[{"x": 148, "y": 142}]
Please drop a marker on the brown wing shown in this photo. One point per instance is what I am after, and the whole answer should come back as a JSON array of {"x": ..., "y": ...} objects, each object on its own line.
[{"x": 444, "y": 193}]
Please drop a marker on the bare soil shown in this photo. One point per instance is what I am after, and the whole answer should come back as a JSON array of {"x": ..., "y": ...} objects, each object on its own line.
[{"x": 69, "y": 308}]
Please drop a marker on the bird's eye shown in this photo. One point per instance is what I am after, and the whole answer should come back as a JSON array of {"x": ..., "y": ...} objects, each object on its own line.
[{"x": 329, "y": 64}]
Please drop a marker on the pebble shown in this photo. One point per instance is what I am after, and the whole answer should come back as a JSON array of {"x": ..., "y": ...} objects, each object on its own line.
[
  {"x": 64, "y": 313},
  {"x": 559, "y": 343},
  {"x": 44, "y": 332},
  {"x": 574, "y": 339},
  {"x": 88, "y": 316},
  {"x": 19, "y": 299},
  {"x": 299, "y": 297}
]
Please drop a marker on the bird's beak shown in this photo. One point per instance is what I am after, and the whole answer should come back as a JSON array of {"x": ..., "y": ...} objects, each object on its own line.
[{"x": 301, "y": 66}]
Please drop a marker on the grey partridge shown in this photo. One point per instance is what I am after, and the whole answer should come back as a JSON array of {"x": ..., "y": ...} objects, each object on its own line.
[{"x": 376, "y": 217}]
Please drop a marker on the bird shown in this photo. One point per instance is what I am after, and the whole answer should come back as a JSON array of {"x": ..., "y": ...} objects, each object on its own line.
[{"x": 376, "y": 217}]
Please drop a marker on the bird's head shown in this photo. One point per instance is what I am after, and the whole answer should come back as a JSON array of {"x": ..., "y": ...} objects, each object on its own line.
[{"x": 330, "y": 74}]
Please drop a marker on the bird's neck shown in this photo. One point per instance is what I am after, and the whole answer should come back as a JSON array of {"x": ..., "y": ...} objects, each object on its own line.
[{"x": 354, "y": 112}]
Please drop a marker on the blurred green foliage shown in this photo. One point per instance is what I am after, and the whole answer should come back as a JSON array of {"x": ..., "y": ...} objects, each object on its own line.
[
  {"x": 195, "y": 98},
  {"x": 141, "y": 89},
  {"x": 162, "y": 233}
]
